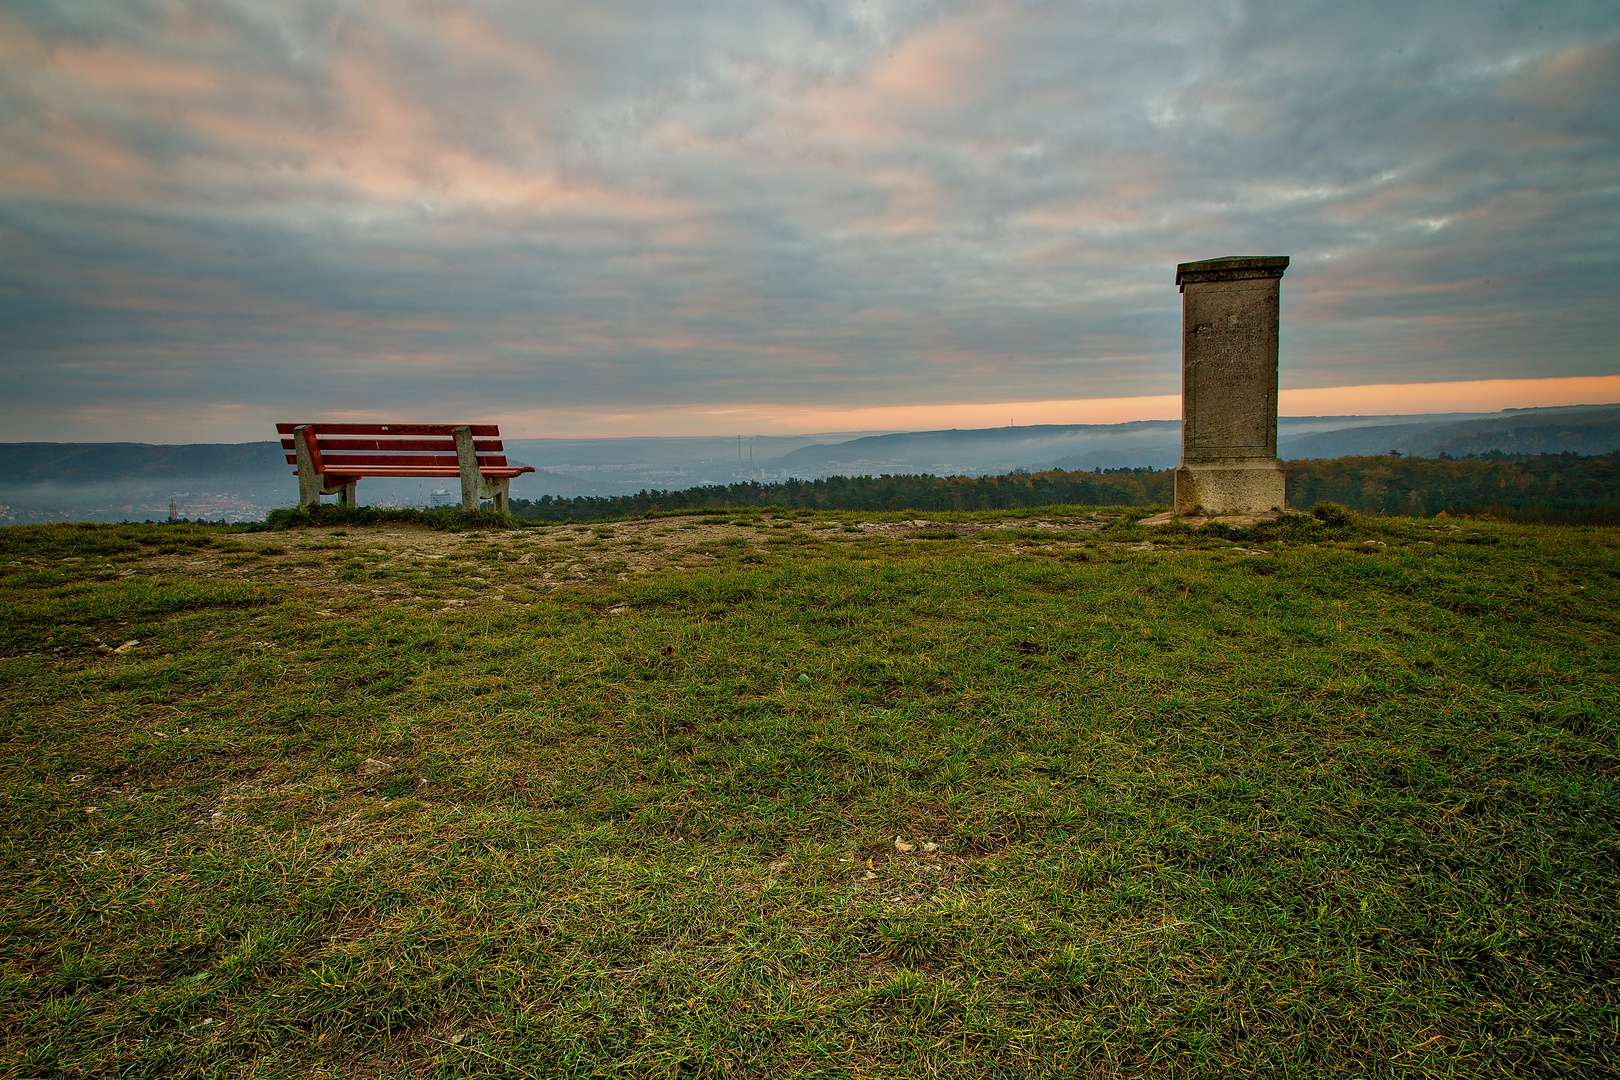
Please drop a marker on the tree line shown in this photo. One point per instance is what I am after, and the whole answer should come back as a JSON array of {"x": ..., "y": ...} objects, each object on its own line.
[
  {"x": 1568, "y": 489},
  {"x": 1551, "y": 488},
  {"x": 923, "y": 492}
]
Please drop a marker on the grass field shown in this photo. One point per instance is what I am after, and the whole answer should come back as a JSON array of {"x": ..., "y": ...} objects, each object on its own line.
[{"x": 811, "y": 795}]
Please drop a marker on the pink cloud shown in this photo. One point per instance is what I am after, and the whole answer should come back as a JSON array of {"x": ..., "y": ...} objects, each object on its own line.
[
  {"x": 942, "y": 64},
  {"x": 126, "y": 72}
]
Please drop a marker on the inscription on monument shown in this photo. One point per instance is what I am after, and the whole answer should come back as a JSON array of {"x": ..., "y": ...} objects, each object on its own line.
[
  {"x": 1229, "y": 386},
  {"x": 1230, "y": 391}
]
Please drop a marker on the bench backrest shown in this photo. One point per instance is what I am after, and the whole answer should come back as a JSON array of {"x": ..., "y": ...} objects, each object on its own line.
[{"x": 392, "y": 445}]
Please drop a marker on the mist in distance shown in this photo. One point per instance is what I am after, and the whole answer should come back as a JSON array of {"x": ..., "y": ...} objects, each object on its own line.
[{"x": 241, "y": 482}]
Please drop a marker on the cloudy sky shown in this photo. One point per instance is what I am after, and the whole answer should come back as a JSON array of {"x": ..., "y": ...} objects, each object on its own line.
[{"x": 702, "y": 216}]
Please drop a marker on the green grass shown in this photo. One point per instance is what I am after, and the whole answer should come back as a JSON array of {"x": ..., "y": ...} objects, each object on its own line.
[{"x": 850, "y": 798}]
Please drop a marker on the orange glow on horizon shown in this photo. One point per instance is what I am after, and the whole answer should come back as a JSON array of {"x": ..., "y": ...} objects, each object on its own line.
[
  {"x": 1386, "y": 399},
  {"x": 251, "y": 421}
]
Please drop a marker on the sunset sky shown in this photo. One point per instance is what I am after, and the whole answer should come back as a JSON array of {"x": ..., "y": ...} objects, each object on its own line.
[{"x": 689, "y": 217}]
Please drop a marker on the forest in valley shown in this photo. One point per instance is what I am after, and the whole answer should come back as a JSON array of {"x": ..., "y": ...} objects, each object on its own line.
[{"x": 1547, "y": 488}]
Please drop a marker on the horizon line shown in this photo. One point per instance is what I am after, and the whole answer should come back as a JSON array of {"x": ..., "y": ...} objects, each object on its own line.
[
  {"x": 1372, "y": 399},
  {"x": 233, "y": 420}
]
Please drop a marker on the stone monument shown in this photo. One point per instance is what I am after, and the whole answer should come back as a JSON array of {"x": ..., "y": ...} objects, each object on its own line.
[{"x": 1229, "y": 387}]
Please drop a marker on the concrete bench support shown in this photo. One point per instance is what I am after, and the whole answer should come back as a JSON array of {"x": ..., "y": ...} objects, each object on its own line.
[
  {"x": 311, "y": 484},
  {"x": 475, "y": 486}
]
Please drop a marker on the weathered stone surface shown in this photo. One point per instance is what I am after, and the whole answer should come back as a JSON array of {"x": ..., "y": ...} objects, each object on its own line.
[
  {"x": 472, "y": 481},
  {"x": 474, "y": 484},
  {"x": 311, "y": 483},
  {"x": 1229, "y": 489},
  {"x": 1229, "y": 386}
]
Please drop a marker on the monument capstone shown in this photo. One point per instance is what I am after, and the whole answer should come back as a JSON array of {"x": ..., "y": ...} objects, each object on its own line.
[{"x": 1229, "y": 387}]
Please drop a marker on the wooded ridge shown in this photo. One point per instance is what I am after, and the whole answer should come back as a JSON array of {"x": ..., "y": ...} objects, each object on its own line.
[{"x": 1551, "y": 488}]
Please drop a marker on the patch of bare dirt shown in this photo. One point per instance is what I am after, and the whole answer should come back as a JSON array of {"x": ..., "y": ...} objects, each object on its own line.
[{"x": 415, "y": 565}]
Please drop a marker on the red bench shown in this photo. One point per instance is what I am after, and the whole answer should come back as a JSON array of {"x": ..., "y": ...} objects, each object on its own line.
[{"x": 331, "y": 458}]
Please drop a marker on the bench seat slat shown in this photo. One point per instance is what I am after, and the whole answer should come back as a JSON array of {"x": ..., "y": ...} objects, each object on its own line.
[
  {"x": 438, "y": 461},
  {"x": 420, "y": 446},
  {"x": 329, "y": 461},
  {"x": 486, "y": 431},
  {"x": 507, "y": 471}
]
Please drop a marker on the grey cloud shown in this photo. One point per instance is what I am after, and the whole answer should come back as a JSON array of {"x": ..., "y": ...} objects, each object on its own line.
[{"x": 843, "y": 203}]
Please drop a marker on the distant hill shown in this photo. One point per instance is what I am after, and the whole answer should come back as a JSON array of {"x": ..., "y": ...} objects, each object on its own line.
[
  {"x": 1157, "y": 443},
  {"x": 1577, "y": 430},
  {"x": 101, "y": 463},
  {"x": 727, "y": 451}
]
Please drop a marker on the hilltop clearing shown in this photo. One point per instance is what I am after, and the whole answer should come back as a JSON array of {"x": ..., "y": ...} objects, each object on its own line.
[{"x": 811, "y": 793}]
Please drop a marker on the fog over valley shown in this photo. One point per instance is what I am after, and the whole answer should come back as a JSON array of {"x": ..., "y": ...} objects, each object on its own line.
[{"x": 242, "y": 481}]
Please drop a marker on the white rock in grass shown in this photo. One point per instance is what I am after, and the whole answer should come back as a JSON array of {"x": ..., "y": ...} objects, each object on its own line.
[{"x": 373, "y": 767}]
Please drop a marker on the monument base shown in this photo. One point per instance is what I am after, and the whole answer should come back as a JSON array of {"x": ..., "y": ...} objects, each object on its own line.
[
  {"x": 1231, "y": 521},
  {"x": 1214, "y": 490}
]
